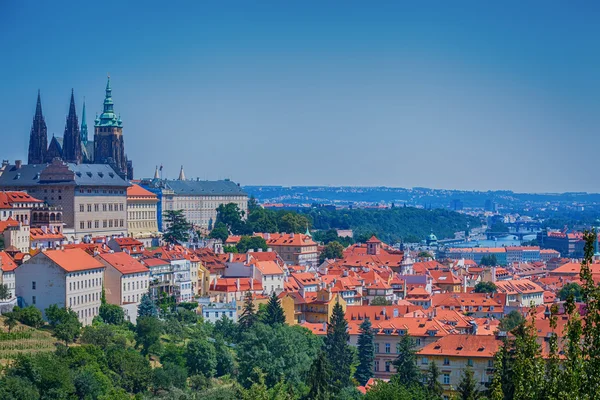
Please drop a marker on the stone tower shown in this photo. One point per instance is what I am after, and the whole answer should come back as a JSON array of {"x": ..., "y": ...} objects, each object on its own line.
[
  {"x": 84, "y": 130},
  {"x": 71, "y": 148},
  {"x": 108, "y": 137},
  {"x": 38, "y": 138}
]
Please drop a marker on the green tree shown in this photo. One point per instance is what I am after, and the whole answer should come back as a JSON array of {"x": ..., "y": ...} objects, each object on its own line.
[
  {"x": 219, "y": 231},
  {"x": 201, "y": 357},
  {"x": 274, "y": 312},
  {"x": 366, "y": 353},
  {"x": 64, "y": 322},
  {"x": 338, "y": 350},
  {"x": 407, "y": 372},
  {"x": 570, "y": 289},
  {"x": 380, "y": 301},
  {"x": 225, "y": 359},
  {"x": 30, "y": 316},
  {"x": 499, "y": 226},
  {"x": 248, "y": 317},
  {"x": 293, "y": 223},
  {"x": 131, "y": 370},
  {"x": 434, "y": 387},
  {"x": 91, "y": 383},
  {"x": 319, "y": 376},
  {"x": 485, "y": 287},
  {"x": 489, "y": 260},
  {"x": 178, "y": 228},
  {"x": 281, "y": 351},
  {"x": 226, "y": 329},
  {"x": 332, "y": 250},
  {"x": 230, "y": 215},
  {"x": 395, "y": 390},
  {"x": 112, "y": 314},
  {"x": 18, "y": 388},
  {"x": 4, "y": 291},
  {"x": 147, "y": 308},
  {"x": 147, "y": 333},
  {"x": 511, "y": 321},
  {"x": 467, "y": 388},
  {"x": 251, "y": 243},
  {"x": 167, "y": 377},
  {"x": 424, "y": 254},
  {"x": 10, "y": 320}
]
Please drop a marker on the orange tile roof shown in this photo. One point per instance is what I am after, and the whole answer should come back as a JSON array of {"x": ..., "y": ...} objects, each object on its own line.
[
  {"x": 268, "y": 267},
  {"x": 6, "y": 262},
  {"x": 229, "y": 285},
  {"x": 517, "y": 286},
  {"x": 38, "y": 234},
  {"x": 8, "y": 198},
  {"x": 9, "y": 223},
  {"x": 123, "y": 263},
  {"x": 463, "y": 346},
  {"x": 73, "y": 260},
  {"x": 287, "y": 239},
  {"x": 138, "y": 191}
]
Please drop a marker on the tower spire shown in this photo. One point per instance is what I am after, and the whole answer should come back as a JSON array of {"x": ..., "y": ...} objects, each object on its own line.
[
  {"x": 156, "y": 174},
  {"x": 181, "y": 174},
  {"x": 38, "y": 137},
  {"x": 84, "y": 130},
  {"x": 71, "y": 139}
]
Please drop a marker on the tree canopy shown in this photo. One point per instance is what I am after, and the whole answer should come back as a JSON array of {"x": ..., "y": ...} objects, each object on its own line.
[
  {"x": 178, "y": 228},
  {"x": 485, "y": 287}
]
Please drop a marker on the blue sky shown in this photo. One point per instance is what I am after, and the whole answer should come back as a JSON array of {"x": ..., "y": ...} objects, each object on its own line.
[{"x": 457, "y": 95}]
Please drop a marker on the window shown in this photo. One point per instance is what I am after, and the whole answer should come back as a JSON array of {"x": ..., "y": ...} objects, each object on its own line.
[
  {"x": 446, "y": 379},
  {"x": 104, "y": 207},
  {"x": 470, "y": 362},
  {"x": 89, "y": 208},
  {"x": 82, "y": 225},
  {"x": 424, "y": 361},
  {"x": 490, "y": 363},
  {"x": 96, "y": 207},
  {"x": 387, "y": 366},
  {"x": 216, "y": 314},
  {"x": 446, "y": 361},
  {"x": 96, "y": 224},
  {"x": 89, "y": 224},
  {"x": 121, "y": 207},
  {"x": 110, "y": 223},
  {"x": 32, "y": 299},
  {"x": 387, "y": 348},
  {"x": 104, "y": 224},
  {"x": 81, "y": 208},
  {"x": 376, "y": 366},
  {"x": 376, "y": 348},
  {"x": 418, "y": 341}
]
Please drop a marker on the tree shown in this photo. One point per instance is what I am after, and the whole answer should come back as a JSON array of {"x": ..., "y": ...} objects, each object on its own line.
[
  {"x": 147, "y": 333},
  {"x": 225, "y": 359},
  {"x": 220, "y": 232},
  {"x": 248, "y": 317},
  {"x": 274, "y": 314},
  {"x": 499, "y": 226},
  {"x": 338, "y": 351},
  {"x": 30, "y": 316},
  {"x": 293, "y": 223},
  {"x": 407, "y": 372},
  {"x": 112, "y": 314},
  {"x": 91, "y": 383},
  {"x": 65, "y": 323},
  {"x": 4, "y": 291},
  {"x": 380, "y": 301},
  {"x": 485, "y": 287},
  {"x": 467, "y": 388},
  {"x": 147, "y": 308},
  {"x": 332, "y": 250},
  {"x": 366, "y": 353},
  {"x": 251, "y": 243},
  {"x": 511, "y": 321},
  {"x": 226, "y": 329},
  {"x": 395, "y": 390},
  {"x": 18, "y": 388},
  {"x": 230, "y": 215},
  {"x": 10, "y": 320},
  {"x": 570, "y": 289},
  {"x": 318, "y": 379},
  {"x": 434, "y": 387},
  {"x": 132, "y": 371},
  {"x": 424, "y": 254},
  {"x": 178, "y": 228},
  {"x": 201, "y": 358},
  {"x": 489, "y": 260}
]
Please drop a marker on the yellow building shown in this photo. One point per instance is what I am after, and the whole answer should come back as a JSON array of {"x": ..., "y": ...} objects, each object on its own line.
[{"x": 315, "y": 307}]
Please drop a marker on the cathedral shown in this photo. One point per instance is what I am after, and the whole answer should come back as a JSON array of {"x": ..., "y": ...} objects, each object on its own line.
[{"x": 74, "y": 147}]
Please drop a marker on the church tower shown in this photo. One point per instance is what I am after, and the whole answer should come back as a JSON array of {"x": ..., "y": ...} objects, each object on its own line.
[
  {"x": 109, "y": 147},
  {"x": 84, "y": 131},
  {"x": 38, "y": 138},
  {"x": 71, "y": 148}
]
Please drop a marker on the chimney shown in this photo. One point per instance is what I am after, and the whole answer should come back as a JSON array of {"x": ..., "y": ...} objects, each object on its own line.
[
  {"x": 18, "y": 164},
  {"x": 464, "y": 284},
  {"x": 45, "y": 229},
  {"x": 260, "y": 250},
  {"x": 324, "y": 326},
  {"x": 292, "y": 235},
  {"x": 269, "y": 250},
  {"x": 494, "y": 274},
  {"x": 230, "y": 257},
  {"x": 252, "y": 284},
  {"x": 237, "y": 284}
]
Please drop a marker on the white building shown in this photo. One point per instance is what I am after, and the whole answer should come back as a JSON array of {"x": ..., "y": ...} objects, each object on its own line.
[
  {"x": 68, "y": 278},
  {"x": 7, "y": 265},
  {"x": 215, "y": 311},
  {"x": 126, "y": 281}
]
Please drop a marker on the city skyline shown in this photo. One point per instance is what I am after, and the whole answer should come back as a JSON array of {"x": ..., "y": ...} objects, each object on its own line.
[{"x": 339, "y": 94}]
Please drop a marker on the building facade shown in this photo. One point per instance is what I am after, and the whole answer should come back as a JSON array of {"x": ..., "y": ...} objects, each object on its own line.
[
  {"x": 142, "y": 222},
  {"x": 92, "y": 196}
]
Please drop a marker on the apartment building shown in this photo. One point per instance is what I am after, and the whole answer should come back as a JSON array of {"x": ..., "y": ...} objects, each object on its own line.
[
  {"x": 68, "y": 278},
  {"x": 293, "y": 248},
  {"x": 92, "y": 196},
  {"x": 8, "y": 266},
  {"x": 15, "y": 218},
  {"x": 142, "y": 215}
]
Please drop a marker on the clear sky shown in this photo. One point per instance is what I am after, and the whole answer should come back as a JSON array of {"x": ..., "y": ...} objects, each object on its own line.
[{"x": 456, "y": 95}]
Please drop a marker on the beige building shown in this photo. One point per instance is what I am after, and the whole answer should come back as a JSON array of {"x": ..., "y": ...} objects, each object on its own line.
[
  {"x": 92, "y": 196},
  {"x": 15, "y": 218},
  {"x": 293, "y": 248},
  {"x": 198, "y": 199},
  {"x": 126, "y": 281},
  {"x": 68, "y": 278},
  {"x": 142, "y": 221}
]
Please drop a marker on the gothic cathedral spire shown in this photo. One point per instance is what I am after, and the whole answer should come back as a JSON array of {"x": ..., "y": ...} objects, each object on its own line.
[
  {"x": 84, "y": 131},
  {"x": 71, "y": 139},
  {"x": 38, "y": 138}
]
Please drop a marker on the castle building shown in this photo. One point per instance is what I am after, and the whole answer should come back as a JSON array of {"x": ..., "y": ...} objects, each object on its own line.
[{"x": 75, "y": 147}]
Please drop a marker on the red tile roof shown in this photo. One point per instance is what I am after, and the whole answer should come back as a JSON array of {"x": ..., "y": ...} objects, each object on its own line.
[
  {"x": 123, "y": 263},
  {"x": 6, "y": 262},
  {"x": 463, "y": 346},
  {"x": 138, "y": 191},
  {"x": 73, "y": 260},
  {"x": 8, "y": 198}
]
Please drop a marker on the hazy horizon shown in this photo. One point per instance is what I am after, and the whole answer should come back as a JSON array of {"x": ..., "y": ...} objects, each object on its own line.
[{"x": 459, "y": 96}]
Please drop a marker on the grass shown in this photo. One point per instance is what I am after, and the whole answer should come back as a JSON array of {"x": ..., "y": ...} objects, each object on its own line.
[{"x": 23, "y": 340}]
